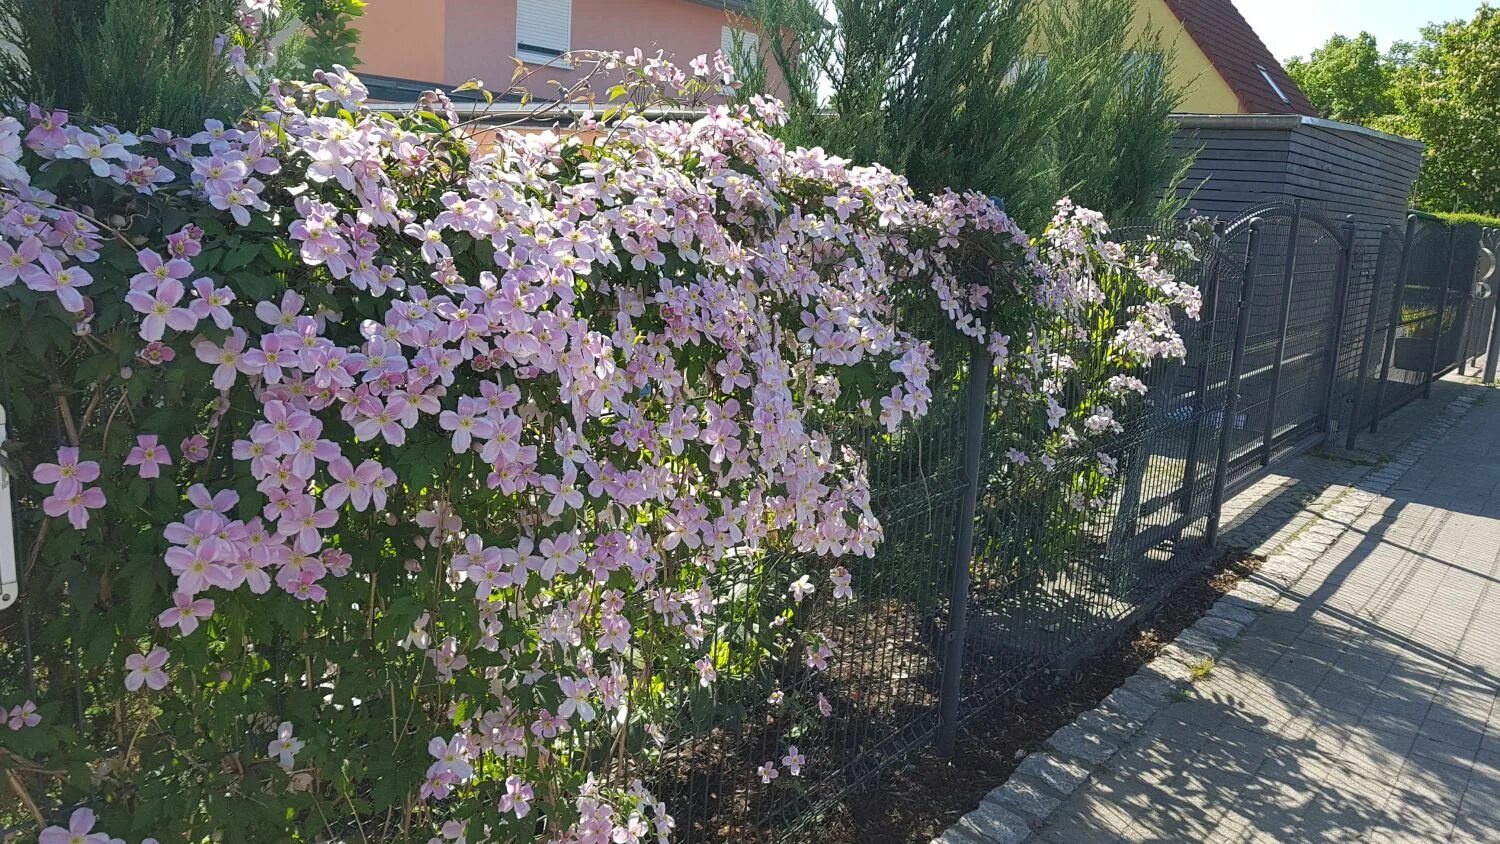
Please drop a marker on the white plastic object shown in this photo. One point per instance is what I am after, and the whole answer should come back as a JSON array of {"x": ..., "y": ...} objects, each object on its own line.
[{"x": 9, "y": 587}]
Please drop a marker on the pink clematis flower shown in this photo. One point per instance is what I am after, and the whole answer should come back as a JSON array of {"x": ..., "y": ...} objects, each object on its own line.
[
  {"x": 194, "y": 449},
  {"x": 155, "y": 270},
  {"x": 355, "y": 486},
  {"x": 794, "y": 760},
  {"x": 15, "y": 260},
  {"x": 518, "y": 796},
  {"x": 52, "y": 277},
  {"x": 228, "y": 360},
  {"x": 185, "y": 612},
  {"x": 161, "y": 310},
  {"x": 157, "y": 354},
  {"x": 214, "y": 502},
  {"x": 285, "y": 747},
  {"x": 149, "y": 455},
  {"x": 842, "y": 588},
  {"x": 75, "y": 506},
  {"x": 79, "y": 831},
  {"x": 145, "y": 669},
  {"x": 68, "y": 473},
  {"x": 307, "y": 588},
  {"x": 302, "y": 523},
  {"x": 23, "y": 715},
  {"x": 212, "y": 302},
  {"x": 87, "y": 146},
  {"x": 48, "y": 134}
]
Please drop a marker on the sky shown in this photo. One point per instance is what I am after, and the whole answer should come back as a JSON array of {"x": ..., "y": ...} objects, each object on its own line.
[{"x": 1297, "y": 27}]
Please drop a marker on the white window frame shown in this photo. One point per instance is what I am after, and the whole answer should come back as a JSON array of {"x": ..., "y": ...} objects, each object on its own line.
[
  {"x": 1266, "y": 74},
  {"x": 543, "y": 53}
]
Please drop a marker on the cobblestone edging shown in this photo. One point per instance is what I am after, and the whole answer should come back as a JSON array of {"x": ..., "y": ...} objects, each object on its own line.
[{"x": 1013, "y": 812}]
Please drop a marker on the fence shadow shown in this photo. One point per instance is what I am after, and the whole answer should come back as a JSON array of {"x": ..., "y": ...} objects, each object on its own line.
[{"x": 1357, "y": 709}]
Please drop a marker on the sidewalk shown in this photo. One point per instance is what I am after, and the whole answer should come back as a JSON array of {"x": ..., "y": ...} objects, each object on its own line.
[{"x": 1362, "y": 705}]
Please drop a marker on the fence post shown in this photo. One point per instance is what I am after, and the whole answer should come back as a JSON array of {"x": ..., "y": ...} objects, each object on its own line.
[
  {"x": 1362, "y": 373},
  {"x": 1206, "y": 347},
  {"x": 963, "y": 550},
  {"x": 1466, "y": 311},
  {"x": 1492, "y": 354},
  {"x": 1340, "y": 315},
  {"x": 1232, "y": 384},
  {"x": 1437, "y": 329},
  {"x": 1284, "y": 324},
  {"x": 1397, "y": 303},
  {"x": 1493, "y": 351}
]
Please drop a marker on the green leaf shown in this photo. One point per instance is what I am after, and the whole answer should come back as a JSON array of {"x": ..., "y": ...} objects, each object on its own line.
[{"x": 239, "y": 257}]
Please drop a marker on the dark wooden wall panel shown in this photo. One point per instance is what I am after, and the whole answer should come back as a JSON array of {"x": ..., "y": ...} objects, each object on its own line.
[{"x": 1247, "y": 160}]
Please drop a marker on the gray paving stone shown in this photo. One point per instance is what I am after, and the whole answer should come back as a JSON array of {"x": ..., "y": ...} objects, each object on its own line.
[
  {"x": 994, "y": 824},
  {"x": 1151, "y": 686},
  {"x": 1111, "y": 726},
  {"x": 1228, "y": 610},
  {"x": 1130, "y": 704},
  {"x": 1026, "y": 797},
  {"x": 955, "y": 835},
  {"x": 1217, "y": 629},
  {"x": 1061, "y": 775},
  {"x": 1076, "y": 742}
]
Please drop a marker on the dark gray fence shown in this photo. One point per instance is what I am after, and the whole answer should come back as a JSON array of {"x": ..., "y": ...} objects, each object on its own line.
[{"x": 992, "y": 581}]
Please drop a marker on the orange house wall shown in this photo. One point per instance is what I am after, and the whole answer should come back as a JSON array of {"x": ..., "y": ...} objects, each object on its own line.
[
  {"x": 404, "y": 38},
  {"x": 452, "y": 41}
]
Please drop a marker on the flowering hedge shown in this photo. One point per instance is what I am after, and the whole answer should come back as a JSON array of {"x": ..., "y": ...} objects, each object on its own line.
[{"x": 389, "y": 484}]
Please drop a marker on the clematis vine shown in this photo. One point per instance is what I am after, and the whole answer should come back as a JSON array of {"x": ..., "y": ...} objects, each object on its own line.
[{"x": 479, "y": 442}]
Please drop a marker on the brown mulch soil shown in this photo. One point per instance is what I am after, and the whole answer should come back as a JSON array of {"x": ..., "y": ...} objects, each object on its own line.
[{"x": 916, "y": 802}]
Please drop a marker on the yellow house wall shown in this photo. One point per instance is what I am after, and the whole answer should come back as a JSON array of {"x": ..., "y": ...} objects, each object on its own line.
[{"x": 1207, "y": 92}]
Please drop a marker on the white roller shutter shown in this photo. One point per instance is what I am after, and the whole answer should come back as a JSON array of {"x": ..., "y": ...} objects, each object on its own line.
[
  {"x": 746, "y": 54},
  {"x": 544, "y": 29}
]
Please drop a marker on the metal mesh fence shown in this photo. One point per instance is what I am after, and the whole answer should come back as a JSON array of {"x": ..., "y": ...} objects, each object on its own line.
[{"x": 1334, "y": 337}]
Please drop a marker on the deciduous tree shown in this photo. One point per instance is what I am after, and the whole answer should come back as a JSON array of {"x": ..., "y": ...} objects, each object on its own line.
[{"x": 1346, "y": 78}]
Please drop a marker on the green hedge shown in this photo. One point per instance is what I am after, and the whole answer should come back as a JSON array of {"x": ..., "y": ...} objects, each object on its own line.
[{"x": 1483, "y": 220}]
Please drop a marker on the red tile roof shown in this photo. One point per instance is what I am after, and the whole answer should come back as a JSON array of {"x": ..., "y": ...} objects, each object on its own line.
[{"x": 1239, "y": 56}]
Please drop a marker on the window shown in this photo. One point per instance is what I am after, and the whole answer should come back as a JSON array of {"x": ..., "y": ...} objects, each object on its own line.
[
  {"x": 1027, "y": 63},
  {"x": 1142, "y": 65},
  {"x": 1272, "y": 82},
  {"x": 742, "y": 48},
  {"x": 1141, "y": 69},
  {"x": 544, "y": 29}
]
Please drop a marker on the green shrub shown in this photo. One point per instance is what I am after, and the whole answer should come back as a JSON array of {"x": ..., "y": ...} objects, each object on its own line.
[{"x": 1484, "y": 221}]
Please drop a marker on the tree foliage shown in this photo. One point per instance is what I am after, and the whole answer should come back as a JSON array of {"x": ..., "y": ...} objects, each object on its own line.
[
  {"x": 1448, "y": 95},
  {"x": 141, "y": 64},
  {"x": 1443, "y": 90},
  {"x": 136, "y": 63},
  {"x": 939, "y": 90},
  {"x": 958, "y": 92},
  {"x": 328, "y": 36},
  {"x": 1115, "y": 139},
  {"x": 1347, "y": 78}
]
